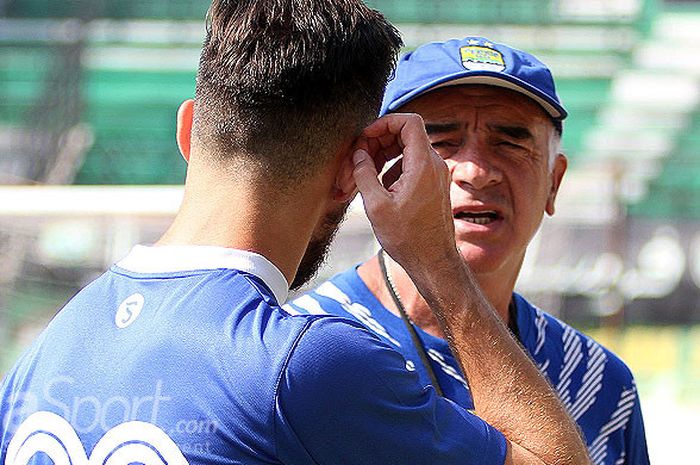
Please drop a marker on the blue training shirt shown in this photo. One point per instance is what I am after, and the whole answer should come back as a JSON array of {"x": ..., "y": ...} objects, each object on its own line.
[
  {"x": 597, "y": 387},
  {"x": 182, "y": 355}
]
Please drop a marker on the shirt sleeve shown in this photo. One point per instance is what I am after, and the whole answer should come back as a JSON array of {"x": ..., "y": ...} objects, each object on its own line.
[
  {"x": 635, "y": 438},
  {"x": 346, "y": 397}
]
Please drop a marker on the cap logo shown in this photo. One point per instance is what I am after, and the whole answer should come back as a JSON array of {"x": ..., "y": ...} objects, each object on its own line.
[{"x": 478, "y": 57}]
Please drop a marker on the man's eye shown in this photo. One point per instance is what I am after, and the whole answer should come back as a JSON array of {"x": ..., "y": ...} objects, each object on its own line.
[
  {"x": 444, "y": 144},
  {"x": 508, "y": 144}
]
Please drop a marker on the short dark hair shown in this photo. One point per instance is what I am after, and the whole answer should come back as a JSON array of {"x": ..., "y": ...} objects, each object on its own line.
[{"x": 281, "y": 83}]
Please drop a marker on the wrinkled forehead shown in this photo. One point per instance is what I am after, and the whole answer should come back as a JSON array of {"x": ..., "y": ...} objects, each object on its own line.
[{"x": 456, "y": 102}]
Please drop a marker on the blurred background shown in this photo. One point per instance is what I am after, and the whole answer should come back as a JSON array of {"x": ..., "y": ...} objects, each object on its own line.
[{"x": 89, "y": 166}]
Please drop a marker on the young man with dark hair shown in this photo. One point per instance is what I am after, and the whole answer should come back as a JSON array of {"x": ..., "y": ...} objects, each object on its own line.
[{"x": 181, "y": 352}]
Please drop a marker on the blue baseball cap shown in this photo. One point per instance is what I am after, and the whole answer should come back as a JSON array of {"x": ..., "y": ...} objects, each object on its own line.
[{"x": 472, "y": 60}]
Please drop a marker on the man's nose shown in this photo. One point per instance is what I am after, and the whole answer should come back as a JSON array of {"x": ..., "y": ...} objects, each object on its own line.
[{"x": 472, "y": 167}]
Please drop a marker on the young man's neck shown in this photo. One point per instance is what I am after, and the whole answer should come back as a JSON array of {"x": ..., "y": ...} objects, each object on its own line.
[
  {"x": 240, "y": 216},
  {"x": 497, "y": 289}
]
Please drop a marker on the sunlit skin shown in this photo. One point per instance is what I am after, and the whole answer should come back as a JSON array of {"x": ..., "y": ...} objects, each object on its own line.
[{"x": 497, "y": 144}]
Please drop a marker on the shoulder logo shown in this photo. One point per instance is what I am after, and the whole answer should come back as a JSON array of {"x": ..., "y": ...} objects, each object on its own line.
[
  {"x": 129, "y": 310},
  {"x": 479, "y": 57}
]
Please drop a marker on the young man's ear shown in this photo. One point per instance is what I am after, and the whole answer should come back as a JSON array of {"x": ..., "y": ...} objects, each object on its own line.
[
  {"x": 184, "y": 128},
  {"x": 345, "y": 187},
  {"x": 558, "y": 170}
]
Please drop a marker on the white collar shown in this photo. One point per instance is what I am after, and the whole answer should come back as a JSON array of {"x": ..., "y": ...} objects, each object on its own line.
[{"x": 173, "y": 258}]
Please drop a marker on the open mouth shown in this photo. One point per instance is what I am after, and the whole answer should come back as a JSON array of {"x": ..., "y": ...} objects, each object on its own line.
[{"x": 485, "y": 217}]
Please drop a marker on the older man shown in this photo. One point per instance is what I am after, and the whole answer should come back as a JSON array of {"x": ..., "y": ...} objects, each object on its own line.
[{"x": 492, "y": 113}]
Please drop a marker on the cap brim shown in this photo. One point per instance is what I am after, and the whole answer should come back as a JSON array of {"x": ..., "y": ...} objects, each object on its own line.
[{"x": 491, "y": 78}]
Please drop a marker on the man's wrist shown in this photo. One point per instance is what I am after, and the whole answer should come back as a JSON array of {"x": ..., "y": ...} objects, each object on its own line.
[
  {"x": 445, "y": 282},
  {"x": 432, "y": 264}
]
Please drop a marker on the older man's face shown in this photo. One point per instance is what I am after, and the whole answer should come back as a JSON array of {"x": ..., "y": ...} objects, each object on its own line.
[{"x": 497, "y": 144}]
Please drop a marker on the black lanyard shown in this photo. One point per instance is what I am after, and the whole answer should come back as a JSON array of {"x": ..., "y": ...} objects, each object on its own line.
[{"x": 417, "y": 341}]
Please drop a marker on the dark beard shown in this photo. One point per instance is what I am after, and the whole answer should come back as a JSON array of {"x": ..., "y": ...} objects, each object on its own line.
[{"x": 318, "y": 247}]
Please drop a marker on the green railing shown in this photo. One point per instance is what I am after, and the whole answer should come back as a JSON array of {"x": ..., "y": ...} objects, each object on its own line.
[
  {"x": 132, "y": 112},
  {"x": 468, "y": 12},
  {"x": 88, "y": 9},
  {"x": 409, "y": 11}
]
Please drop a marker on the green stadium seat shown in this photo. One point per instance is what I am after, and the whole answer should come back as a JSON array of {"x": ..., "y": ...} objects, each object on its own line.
[
  {"x": 675, "y": 192},
  {"x": 132, "y": 114},
  {"x": 130, "y": 106},
  {"x": 161, "y": 9},
  {"x": 583, "y": 97},
  {"x": 23, "y": 75}
]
